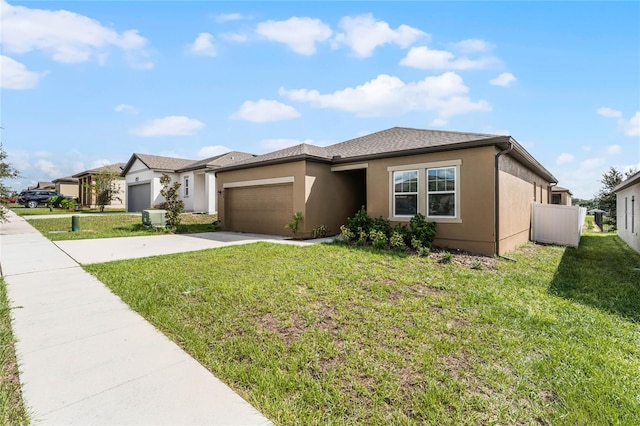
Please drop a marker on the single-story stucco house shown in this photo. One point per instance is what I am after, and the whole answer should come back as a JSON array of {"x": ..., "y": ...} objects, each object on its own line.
[
  {"x": 561, "y": 196},
  {"x": 479, "y": 188},
  {"x": 68, "y": 186},
  {"x": 142, "y": 174},
  {"x": 628, "y": 210},
  {"x": 86, "y": 178}
]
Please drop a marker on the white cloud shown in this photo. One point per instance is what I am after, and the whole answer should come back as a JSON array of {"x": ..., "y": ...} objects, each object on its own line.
[
  {"x": 203, "y": 45},
  {"x": 234, "y": 37},
  {"x": 631, "y": 127},
  {"x": 471, "y": 46},
  {"x": 169, "y": 126},
  {"x": 444, "y": 95},
  {"x": 264, "y": 111},
  {"x": 591, "y": 163},
  {"x": 212, "y": 151},
  {"x": 608, "y": 112},
  {"x": 100, "y": 162},
  {"x": 586, "y": 148},
  {"x": 300, "y": 34},
  {"x": 430, "y": 59},
  {"x": 276, "y": 144},
  {"x": 226, "y": 17},
  {"x": 564, "y": 159},
  {"x": 66, "y": 36},
  {"x": 125, "y": 108},
  {"x": 16, "y": 76},
  {"x": 47, "y": 168},
  {"x": 363, "y": 34},
  {"x": 505, "y": 79},
  {"x": 614, "y": 149}
]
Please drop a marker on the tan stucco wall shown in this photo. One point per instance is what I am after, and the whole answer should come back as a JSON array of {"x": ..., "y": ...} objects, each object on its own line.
[
  {"x": 295, "y": 169},
  {"x": 475, "y": 228},
  {"x": 68, "y": 189},
  {"x": 331, "y": 197},
  {"x": 517, "y": 193}
]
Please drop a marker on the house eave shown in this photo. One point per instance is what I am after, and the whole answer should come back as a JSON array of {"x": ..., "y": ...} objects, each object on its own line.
[
  {"x": 304, "y": 157},
  {"x": 632, "y": 180}
]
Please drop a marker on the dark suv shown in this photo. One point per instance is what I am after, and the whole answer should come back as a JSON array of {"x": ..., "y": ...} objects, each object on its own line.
[{"x": 35, "y": 197}]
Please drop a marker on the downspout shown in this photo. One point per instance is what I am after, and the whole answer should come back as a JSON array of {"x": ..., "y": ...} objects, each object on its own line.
[
  {"x": 497, "y": 195},
  {"x": 551, "y": 185}
]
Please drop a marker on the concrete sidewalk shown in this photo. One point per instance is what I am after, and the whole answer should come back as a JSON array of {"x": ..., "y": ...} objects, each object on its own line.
[
  {"x": 108, "y": 249},
  {"x": 86, "y": 358}
]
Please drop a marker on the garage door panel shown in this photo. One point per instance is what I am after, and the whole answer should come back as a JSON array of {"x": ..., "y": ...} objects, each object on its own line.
[
  {"x": 138, "y": 197},
  {"x": 259, "y": 209}
]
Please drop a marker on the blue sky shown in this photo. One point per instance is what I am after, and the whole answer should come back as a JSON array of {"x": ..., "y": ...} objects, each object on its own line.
[{"x": 89, "y": 83}]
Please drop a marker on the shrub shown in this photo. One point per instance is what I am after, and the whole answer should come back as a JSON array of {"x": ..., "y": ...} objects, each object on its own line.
[
  {"x": 319, "y": 232},
  {"x": 397, "y": 241},
  {"x": 346, "y": 233},
  {"x": 68, "y": 203},
  {"x": 362, "y": 237},
  {"x": 403, "y": 231},
  {"x": 416, "y": 244},
  {"x": 446, "y": 257},
  {"x": 54, "y": 202},
  {"x": 172, "y": 204},
  {"x": 422, "y": 230},
  {"x": 378, "y": 239},
  {"x": 424, "y": 251},
  {"x": 294, "y": 225},
  {"x": 360, "y": 222},
  {"x": 381, "y": 224}
]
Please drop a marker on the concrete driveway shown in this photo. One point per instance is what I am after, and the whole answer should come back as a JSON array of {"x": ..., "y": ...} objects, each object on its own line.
[{"x": 108, "y": 249}]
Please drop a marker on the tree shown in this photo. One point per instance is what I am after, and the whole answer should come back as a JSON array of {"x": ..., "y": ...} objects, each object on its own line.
[
  {"x": 172, "y": 204},
  {"x": 606, "y": 198},
  {"x": 6, "y": 172},
  {"x": 105, "y": 187}
]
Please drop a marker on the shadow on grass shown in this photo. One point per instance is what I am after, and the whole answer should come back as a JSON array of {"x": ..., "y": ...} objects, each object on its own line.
[{"x": 603, "y": 273}]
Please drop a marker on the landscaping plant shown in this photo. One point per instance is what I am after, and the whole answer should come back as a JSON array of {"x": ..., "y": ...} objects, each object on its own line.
[
  {"x": 172, "y": 204},
  {"x": 294, "y": 225}
]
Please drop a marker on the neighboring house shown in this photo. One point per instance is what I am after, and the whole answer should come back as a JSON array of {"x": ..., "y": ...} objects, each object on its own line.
[
  {"x": 86, "y": 195},
  {"x": 198, "y": 188},
  {"x": 68, "y": 186},
  {"x": 477, "y": 187},
  {"x": 49, "y": 186},
  {"x": 560, "y": 195},
  {"x": 628, "y": 210}
]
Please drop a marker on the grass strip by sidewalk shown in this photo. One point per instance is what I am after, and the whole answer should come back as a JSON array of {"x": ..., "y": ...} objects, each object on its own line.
[
  {"x": 12, "y": 411},
  {"x": 111, "y": 226},
  {"x": 330, "y": 334},
  {"x": 24, "y": 211}
]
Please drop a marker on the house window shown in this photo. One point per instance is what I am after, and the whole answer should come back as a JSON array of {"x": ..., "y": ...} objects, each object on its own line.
[
  {"x": 405, "y": 193},
  {"x": 186, "y": 186},
  {"x": 534, "y": 192},
  {"x": 441, "y": 192},
  {"x": 556, "y": 198}
]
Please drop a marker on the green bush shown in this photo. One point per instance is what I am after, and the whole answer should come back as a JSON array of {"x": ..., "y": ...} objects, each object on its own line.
[
  {"x": 378, "y": 239},
  {"x": 361, "y": 222},
  {"x": 397, "y": 241},
  {"x": 381, "y": 224},
  {"x": 67, "y": 204},
  {"x": 55, "y": 201},
  {"x": 422, "y": 230},
  {"x": 319, "y": 232},
  {"x": 446, "y": 257},
  {"x": 346, "y": 233}
]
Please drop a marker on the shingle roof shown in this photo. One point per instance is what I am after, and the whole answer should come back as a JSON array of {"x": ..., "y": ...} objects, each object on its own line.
[
  {"x": 218, "y": 161},
  {"x": 116, "y": 168},
  {"x": 632, "y": 180},
  {"x": 67, "y": 179},
  {"x": 399, "y": 139},
  {"x": 393, "y": 142},
  {"x": 158, "y": 162},
  {"x": 560, "y": 189}
]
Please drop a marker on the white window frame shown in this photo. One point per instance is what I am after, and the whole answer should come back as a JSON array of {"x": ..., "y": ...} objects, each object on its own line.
[
  {"x": 186, "y": 187},
  {"x": 416, "y": 193},
  {"x": 454, "y": 192},
  {"x": 422, "y": 190}
]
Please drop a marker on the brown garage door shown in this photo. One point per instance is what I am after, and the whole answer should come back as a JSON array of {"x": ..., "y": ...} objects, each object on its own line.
[{"x": 259, "y": 209}]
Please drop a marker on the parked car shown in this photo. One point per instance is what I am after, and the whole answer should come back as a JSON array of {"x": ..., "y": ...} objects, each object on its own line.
[{"x": 35, "y": 197}]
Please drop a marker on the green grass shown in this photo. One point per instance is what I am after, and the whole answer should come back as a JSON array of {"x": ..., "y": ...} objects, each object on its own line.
[
  {"x": 328, "y": 334},
  {"x": 38, "y": 211},
  {"x": 110, "y": 226},
  {"x": 12, "y": 411}
]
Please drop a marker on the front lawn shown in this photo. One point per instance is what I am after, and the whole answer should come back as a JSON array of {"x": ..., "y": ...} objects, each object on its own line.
[
  {"x": 110, "y": 226},
  {"x": 328, "y": 334},
  {"x": 12, "y": 411}
]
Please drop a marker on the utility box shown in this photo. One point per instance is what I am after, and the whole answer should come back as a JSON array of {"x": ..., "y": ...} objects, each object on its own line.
[{"x": 154, "y": 218}]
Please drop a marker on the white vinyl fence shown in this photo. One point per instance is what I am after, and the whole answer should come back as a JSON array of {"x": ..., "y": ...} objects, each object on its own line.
[{"x": 554, "y": 224}]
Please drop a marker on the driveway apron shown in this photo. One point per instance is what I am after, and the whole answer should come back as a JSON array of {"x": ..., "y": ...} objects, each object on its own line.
[{"x": 86, "y": 358}]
